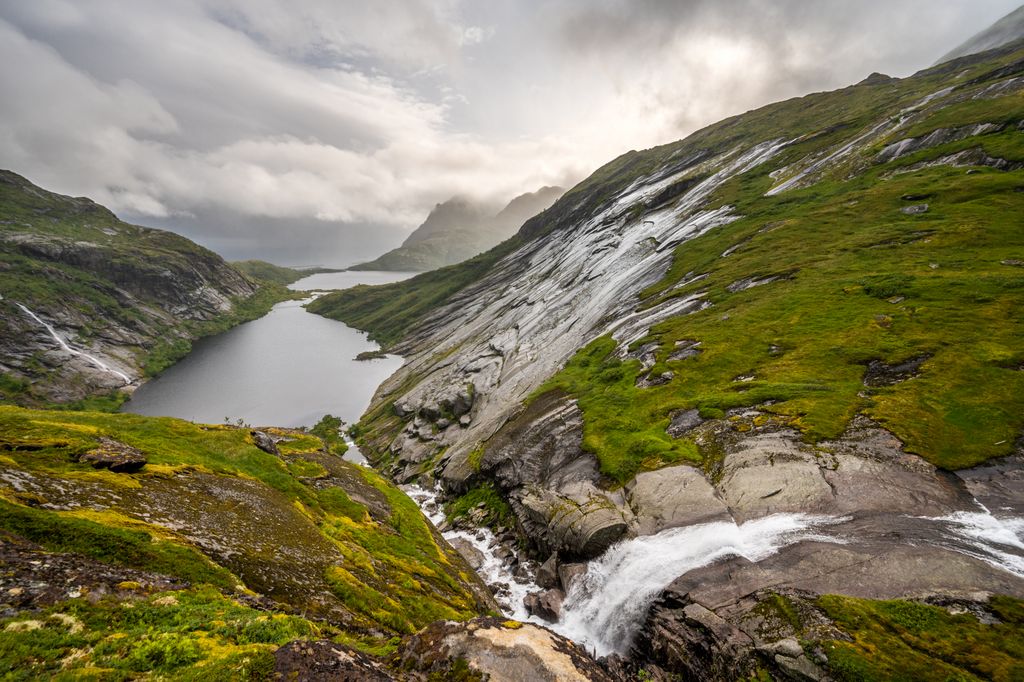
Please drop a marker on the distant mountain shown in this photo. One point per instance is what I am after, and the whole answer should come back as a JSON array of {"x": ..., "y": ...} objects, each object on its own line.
[
  {"x": 1006, "y": 30},
  {"x": 90, "y": 304},
  {"x": 459, "y": 229}
]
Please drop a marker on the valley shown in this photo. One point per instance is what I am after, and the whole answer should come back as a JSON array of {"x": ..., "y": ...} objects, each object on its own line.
[{"x": 744, "y": 406}]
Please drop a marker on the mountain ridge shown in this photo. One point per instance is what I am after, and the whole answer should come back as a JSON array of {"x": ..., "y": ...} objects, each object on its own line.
[
  {"x": 459, "y": 229},
  {"x": 68, "y": 262}
]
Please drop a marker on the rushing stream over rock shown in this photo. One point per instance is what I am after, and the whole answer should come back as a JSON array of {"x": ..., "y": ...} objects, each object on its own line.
[{"x": 605, "y": 608}]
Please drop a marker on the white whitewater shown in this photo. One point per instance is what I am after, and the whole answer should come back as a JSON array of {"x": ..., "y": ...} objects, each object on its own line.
[
  {"x": 493, "y": 571},
  {"x": 64, "y": 345},
  {"x": 990, "y": 538},
  {"x": 605, "y": 607}
]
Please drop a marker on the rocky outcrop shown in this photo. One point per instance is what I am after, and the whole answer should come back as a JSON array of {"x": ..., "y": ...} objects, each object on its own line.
[
  {"x": 503, "y": 651},
  {"x": 114, "y": 455},
  {"x": 327, "y": 661},
  {"x": 673, "y": 497}
]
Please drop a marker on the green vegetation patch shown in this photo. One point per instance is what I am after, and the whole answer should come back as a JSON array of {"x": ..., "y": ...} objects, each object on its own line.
[
  {"x": 848, "y": 279},
  {"x": 497, "y": 510},
  {"x": 62, "y": 532},
  {"x": 396, "y": 575},
  {"x": 904, "y": 641},
  {"x": 391, "y": 572},
  {"x": 194, "y": 634}
]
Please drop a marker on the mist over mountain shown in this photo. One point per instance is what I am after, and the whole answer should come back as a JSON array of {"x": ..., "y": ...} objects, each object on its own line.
[
  {"x": 1006, "y": 30},
  {"x": 459, "y": 229}
]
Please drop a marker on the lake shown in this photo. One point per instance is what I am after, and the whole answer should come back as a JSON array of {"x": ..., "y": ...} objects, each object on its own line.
[{"x": 288, "y": 368}]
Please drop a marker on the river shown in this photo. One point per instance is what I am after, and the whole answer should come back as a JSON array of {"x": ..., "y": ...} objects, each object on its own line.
[{"x": 288, "y": 368}]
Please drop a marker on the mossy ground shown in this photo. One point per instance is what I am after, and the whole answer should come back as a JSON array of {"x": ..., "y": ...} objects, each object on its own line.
[
  {"x": 193, "y": 634},
  {"x": 904, "y": 641},
  {"x": 380, "y": 560}
]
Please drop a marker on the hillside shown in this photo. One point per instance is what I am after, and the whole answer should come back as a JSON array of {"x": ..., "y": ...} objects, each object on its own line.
[
  {"x": 136, "y": 545},
  {"x": 805, "y": 309},
  {"x": 123, "y": 301},
  {"x": 268, "y": 272},
  {"x": 459, "y": 229}
]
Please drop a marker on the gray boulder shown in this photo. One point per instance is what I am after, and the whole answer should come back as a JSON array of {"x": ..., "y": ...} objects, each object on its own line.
[{"x": 115, "y": 456}]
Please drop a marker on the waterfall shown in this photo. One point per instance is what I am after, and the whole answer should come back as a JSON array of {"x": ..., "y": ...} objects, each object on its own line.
[
  {"x": 63, "y": 344},
  {"x": 606, "y": 606}
]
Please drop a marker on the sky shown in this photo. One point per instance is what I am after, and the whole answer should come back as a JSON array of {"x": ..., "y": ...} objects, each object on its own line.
[{"x": 322, "y": 132}]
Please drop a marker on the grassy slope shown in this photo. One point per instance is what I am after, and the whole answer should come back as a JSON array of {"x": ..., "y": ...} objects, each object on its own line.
[
  {"x": 268, "y": 272},
  {"x": 860, "y": 281},
  {"x": 394, "y": 577}
]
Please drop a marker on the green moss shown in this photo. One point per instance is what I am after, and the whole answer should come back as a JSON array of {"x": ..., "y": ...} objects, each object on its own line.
[
  {"x": 498, "y": 513},
  {"x": 136, "y": 549},
  {"x": 194, "y": 634},
  {"x": 399, "y": 579},
  {"x": 901, "y": 640}
]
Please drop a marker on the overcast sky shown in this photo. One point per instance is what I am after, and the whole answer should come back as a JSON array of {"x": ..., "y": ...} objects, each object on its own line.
[{"x": 323, "y": 131}]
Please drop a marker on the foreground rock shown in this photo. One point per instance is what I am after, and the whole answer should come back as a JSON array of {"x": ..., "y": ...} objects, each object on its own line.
[{"x": 504, "y": 651}]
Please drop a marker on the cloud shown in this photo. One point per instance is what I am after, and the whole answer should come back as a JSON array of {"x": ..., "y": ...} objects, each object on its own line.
[{"x": 326, "y": 126}]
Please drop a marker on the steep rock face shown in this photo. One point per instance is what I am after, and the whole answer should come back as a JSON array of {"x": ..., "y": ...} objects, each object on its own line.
[
  {"x": 507, "y": 333},
  {"x": 110, "y": 291}
]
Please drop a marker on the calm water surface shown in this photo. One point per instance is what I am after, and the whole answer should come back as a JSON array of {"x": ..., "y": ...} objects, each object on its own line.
[{"x": 288, "y": 368}]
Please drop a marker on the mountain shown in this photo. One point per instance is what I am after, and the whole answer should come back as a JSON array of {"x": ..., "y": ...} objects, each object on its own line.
[
  {"x": 799, "y": 319},
  {"x": 459, "y": 229},
  {"x": 1006, "y": 30},
  {"x": 91, "y": 304},
  {"x": 268, "y": 272}
]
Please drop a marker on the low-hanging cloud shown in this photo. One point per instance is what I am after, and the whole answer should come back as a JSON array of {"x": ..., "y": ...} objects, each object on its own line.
[{"x": 262, "y": 127}]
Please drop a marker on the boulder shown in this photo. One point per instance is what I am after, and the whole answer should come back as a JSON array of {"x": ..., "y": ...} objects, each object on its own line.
[
  {"x": 264, "y": 442},
  {"x": 771, "y": 473},
  {"x": 683, "y": 421},
  {"x": 546, "y": 605},
  {"x": 547, "y": 574},
  {"x": 581, "y": 520},
  {"x": 473, "y": 556},
  {"x": 115, "y": 456},
  {"x": 917, "y": 209},
  {"x": 673, "y": 497},
  {"x": 568, "y": 574},
  {"x": 500, "y": 650}
]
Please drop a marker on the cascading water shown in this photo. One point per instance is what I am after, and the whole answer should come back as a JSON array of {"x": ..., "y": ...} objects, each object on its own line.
[
  {"x": 605, "y": 607},
  {"x": 493, "y": 571},
  {"x": 64, "y": 345},
  {"x": 987, "y": 537}
]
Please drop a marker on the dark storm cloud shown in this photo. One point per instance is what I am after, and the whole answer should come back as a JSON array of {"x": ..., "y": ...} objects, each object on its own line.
[{"x": 326, "y": 129}]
